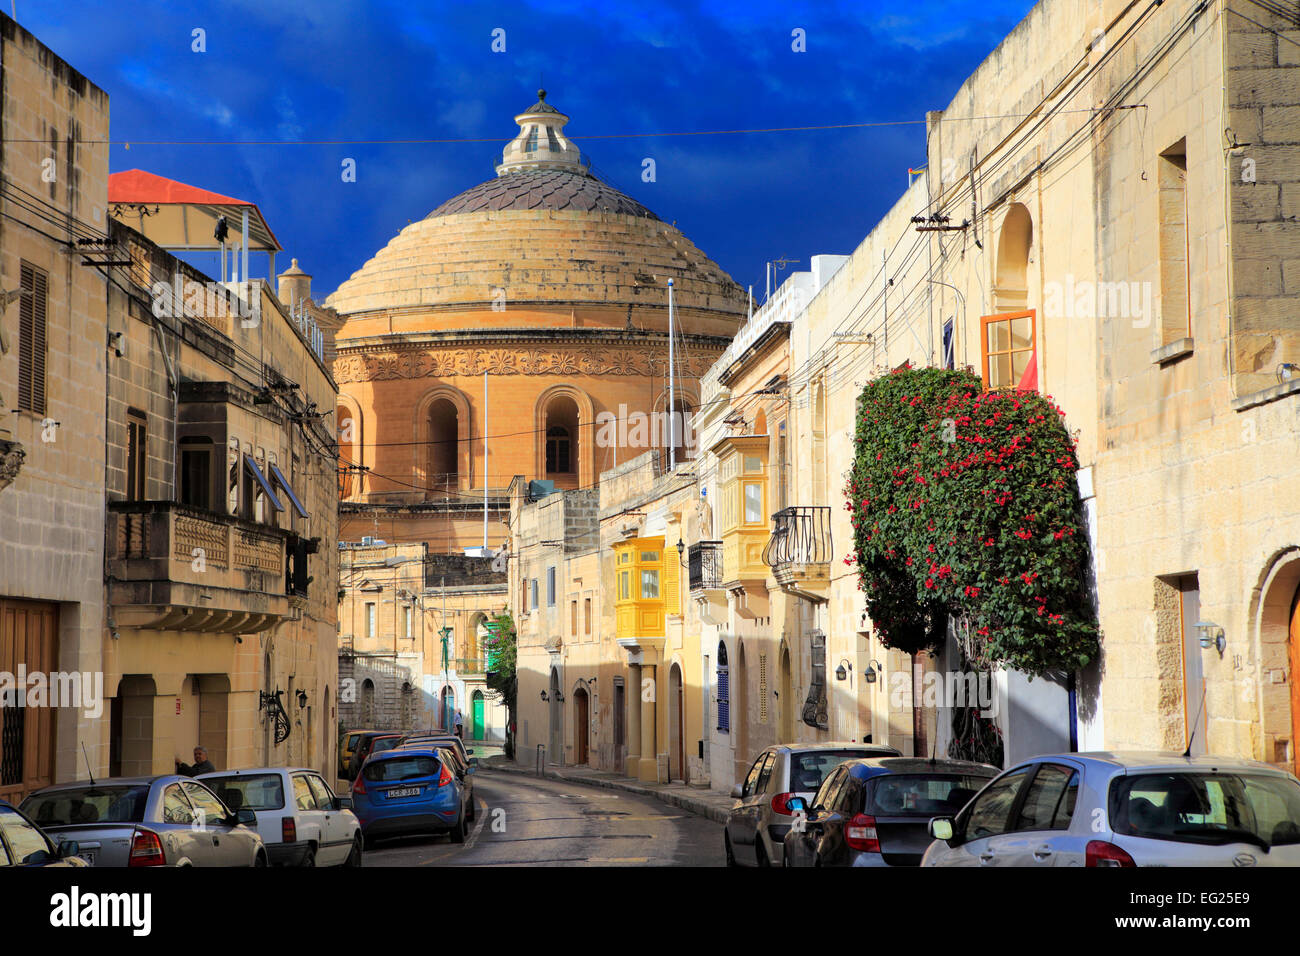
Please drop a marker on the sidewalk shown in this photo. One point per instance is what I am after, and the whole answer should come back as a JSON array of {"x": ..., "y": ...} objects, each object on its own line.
[{"x": 706, "y": 803}]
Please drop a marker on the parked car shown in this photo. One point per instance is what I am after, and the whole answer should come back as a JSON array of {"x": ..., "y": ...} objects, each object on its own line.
[
  {"x": 364, "y": 745},
  {"x": 410, "y": 790},
  {"x": 464, "y": 772},
  {"x": 438, "y": 739},
  {"x": 23, "y": 843},
  {"x": 300, "y": 820},
  {"x": 761, "y": 816},
  {"x": 167, "y": 820},
  {"x": 1126, "y": 809},
  {"x": 876, "y": 812},
  {"x": 347, "y": 743}
]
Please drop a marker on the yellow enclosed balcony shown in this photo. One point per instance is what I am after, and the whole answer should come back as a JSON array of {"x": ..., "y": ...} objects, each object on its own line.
[
  {"x": 742, "y": 509},
  {"x": 646, "y": 586}
]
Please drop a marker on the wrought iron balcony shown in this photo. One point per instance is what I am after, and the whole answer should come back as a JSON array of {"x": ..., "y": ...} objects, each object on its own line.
[
  {"x": 799, "y": 550},
  {"x": 704, "y": 565}
]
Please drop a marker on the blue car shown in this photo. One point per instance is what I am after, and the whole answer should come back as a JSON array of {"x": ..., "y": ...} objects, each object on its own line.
[{"x": 408, "y": 791}]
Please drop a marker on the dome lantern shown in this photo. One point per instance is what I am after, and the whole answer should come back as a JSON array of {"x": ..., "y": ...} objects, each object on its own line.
[{"x": 541, "y": 143}]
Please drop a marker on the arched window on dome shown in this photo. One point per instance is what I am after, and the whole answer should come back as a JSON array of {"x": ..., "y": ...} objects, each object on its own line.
[
  {"x": 443, "y": 447},
  {"x": 531, "y": 146},
  {"x": 562, "y": 442}
]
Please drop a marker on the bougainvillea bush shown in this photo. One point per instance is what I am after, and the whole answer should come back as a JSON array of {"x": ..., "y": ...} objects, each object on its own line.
[{"x": 964, "y": 504}]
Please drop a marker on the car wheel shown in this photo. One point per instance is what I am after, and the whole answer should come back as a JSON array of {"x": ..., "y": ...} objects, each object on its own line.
[
  {"x": 309, "y": 858},
  {"x": 354, "y": 858},
  {"x": 726, "y": 842},
  {"x": 259, "y": 860},
  {"x": 458, "y": 831},
  {"x": 760, "y": 853}
]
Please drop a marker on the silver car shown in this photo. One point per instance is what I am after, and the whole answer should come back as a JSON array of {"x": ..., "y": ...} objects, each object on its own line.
[
  {"x": 147, "y": 821},
  {"x": 1126, "y": 809},
  {"x": 761, "y": 817}
]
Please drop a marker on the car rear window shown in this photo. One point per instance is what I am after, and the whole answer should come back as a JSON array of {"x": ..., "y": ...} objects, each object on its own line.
[
  {"x": 922, "y": 794},
  {"x": 401, "y": 768},
  {"x": 123, "y": 804},
  {"x": 809, "y": 770},
  {"x": 1206, "y": 808},
  {"x": 254, "y": 791},
  {"x": 385, "y": 743}
]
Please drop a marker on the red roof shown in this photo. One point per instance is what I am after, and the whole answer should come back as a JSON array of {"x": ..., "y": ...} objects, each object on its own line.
[{"x": 138, "y": 186}]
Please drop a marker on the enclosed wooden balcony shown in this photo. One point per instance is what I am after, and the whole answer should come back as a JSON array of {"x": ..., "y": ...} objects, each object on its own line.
[
  {"x": 174, "y": 567},
  {"x": 799, "y": 550}
]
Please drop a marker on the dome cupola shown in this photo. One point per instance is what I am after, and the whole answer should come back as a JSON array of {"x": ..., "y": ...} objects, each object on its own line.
[{"x": 541, "y": 143}]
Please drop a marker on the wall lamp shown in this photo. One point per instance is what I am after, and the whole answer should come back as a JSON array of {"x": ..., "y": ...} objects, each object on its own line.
[
  {"x": 559, "y": 698},
  {"x": 544, "y": 697},
  {"x": 681, "y": 551},
  {"x": 1211, "y": 635},
  {"x": 873, "y": 668},
  {"x": 840, "y": 672},
  {"x": 302, "y": 699}
]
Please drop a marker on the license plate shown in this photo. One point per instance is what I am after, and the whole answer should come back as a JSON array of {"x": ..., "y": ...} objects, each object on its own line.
[
  {"x": 88, "y": 856},
  {"x": 404, "y": 792}
]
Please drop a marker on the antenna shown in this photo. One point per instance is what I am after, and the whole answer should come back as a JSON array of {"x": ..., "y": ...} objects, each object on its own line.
[
  {"x": 1192, "y": 736},
  {"x": 85, "y": 757}
]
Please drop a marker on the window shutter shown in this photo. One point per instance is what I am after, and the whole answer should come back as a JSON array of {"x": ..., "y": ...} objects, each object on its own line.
[
  {"x": 672, "y": 581},
  {"x": 724, "y": 700},
  {"x": 762, "y": 688},
  {"x": 31, "y": 340}
]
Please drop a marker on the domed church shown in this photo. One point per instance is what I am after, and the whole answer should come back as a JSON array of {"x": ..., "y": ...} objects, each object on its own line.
[{"x": 492, "y": 338}]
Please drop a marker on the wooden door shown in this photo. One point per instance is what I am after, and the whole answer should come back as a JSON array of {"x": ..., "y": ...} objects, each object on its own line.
[
  {"x": 582, "y": 727},
  {"x": 1294, "y": 648},
  {"x": 476, "y": 726},
  {"x": 28, "y": 639}
]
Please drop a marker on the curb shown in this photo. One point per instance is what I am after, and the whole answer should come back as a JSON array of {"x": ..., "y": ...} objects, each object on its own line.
[{"x": 680, "y": 800}]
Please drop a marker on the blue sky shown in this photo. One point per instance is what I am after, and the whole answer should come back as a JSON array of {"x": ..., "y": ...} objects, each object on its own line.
[{"x": 339, "y": 70}]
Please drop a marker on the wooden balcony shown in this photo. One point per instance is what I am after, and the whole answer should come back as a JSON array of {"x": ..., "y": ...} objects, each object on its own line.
[
  {"x": 173, "y": 567},
  {"x": 799, "y": 551}
]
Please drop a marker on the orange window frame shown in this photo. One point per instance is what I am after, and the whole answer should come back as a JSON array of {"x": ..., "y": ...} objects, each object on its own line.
[{"x": 986, "y": 354}]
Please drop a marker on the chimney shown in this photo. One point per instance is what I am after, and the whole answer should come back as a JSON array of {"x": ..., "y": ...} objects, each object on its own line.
[{"x": 295, "y": 285}]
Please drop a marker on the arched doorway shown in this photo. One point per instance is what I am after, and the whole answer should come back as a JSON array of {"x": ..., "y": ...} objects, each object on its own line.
[
  {"x": 787, "y": 698},
  {"x": 676, "y": 725},
  {"x": 448, "y": 709},
  {"x": 740, "y": 711},
  {"x": 408, "y": 706},
  {"x": 1015, "y": 242},
  {"x": 367, "y": 704},
  {"x": 476, "y": 727},
  {"x": 1293, "y": 646},
  {"x": 581, "y": 725},
  {"x": 444, "y": 447},
  {"x": 554, "y": 718}
]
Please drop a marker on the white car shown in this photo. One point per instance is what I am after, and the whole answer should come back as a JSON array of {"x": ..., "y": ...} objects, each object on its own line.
[
  {"x": 1126, "y": 809},
  {"x": 299, "y": 818}
]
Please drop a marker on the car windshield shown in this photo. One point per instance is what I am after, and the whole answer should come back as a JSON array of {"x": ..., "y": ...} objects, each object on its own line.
[
  {"x": 923, "y": 794},
  {"x": 808, "y": 770},
  {"x": 254, "y": 791},
  {"x": 384, "y": 743},
  {"x": 88, "y": 804},
  {"x": 400, "y": 768},
  {"x": 1208, "y": 808}
]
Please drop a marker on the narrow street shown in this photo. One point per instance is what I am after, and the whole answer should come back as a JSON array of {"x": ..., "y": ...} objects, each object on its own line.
[{"x": 539, "y": 822}]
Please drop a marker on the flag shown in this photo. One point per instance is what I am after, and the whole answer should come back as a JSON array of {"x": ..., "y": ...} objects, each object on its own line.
[{"x": 1029, "y": 380}]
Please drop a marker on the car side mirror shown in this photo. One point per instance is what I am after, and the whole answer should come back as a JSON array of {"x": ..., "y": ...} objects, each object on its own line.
[
  {"x": 470, "y": 751},
  {"x": 941, "y": 828},
  {"x": 69, "y": 848},
  {"x": 247, "y": 817},
  {"x": 796, "y": 805},
  {"x": 342, "y": 803},
  {"x": 738, "y": 792}
]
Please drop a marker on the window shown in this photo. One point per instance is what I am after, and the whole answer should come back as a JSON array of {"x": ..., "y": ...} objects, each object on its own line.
[
  {"x": 724, "y": 690},
  {"x": 623, "y": 585},
  {"x": 751, "y": 779},
  {"x": 550, "y": 587},
  {"x": 29, "y": 844},
  {"x": 1049, "y": 802},
  {"x": 649, "y": 584},
  {"x": 557, "y": 450},
  {"x": 753, "y": 502},
  {"x": 302, "y": 795},
  {"x": 370, "y": 619},
  {"x": 320, "y": 789},
  {"x": 1175, "y": 277},
  {"x": 176, "y": 809},
  {"x": 765, "y": 774},
  {"x": 406, "y": 623},
  {"x": 573, "y": 618},
  {"x": 1207, "y": 808},
  {"x": 31, "y": 339},
  {"x": 196, "y": 472},
  {"x": 990, "y": 812},
  {"x": 1008, "y": 344},
  {"x": 949, "y": 358},
  {"x": 586, "y": 615},
  {"x": 136, "y": 450},
  {"x": 531, "y": 145},
  {"x": 829, "y": 791},
  {"x": 535, "y": 602},
  {"x": 209, "y": 809}
]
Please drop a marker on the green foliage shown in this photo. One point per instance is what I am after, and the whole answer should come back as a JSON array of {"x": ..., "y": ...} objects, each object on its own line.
[
  {"x": 964, "y": 503},
  {"x": 502, "y": 651}
]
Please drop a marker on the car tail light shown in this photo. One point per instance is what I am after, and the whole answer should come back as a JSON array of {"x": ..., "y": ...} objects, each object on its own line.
[
  {"x": 860, "y": 834},
  {"x": 146, "y": 850},
  {"x": 780, "y": 803},
  {"x": 1101, "y": 853},
  {"x": 359, "y": 786},
  {"x": 444, "y": 778},
  {"x": 288, "y": 830}
]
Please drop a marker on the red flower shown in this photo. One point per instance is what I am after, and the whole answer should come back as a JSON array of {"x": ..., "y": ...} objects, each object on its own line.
[{"x": 929, "y": 582}]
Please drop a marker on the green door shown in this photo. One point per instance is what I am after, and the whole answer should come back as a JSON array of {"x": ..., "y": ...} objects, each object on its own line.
[{"x": 476, "y": 726}]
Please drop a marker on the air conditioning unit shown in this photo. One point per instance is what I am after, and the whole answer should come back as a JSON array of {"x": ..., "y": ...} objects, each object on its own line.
[{"x": 367, "y": 541}]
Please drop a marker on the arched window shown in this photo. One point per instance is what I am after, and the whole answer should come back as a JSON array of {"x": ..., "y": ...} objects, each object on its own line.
[
  {"x": 444, "y": 446},
  {"x": 558, "y": 450},
  {"x": 562, "y": 441},
  {"x": 349, "y": 450},
  {"x": 724, "y": 690}
]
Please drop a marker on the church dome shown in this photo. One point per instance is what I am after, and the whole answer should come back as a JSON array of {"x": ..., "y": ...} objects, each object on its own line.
[{"x": 544, "y": 237}]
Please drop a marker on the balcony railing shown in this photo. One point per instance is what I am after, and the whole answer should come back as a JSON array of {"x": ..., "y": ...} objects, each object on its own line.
[
  {"x": 704, "y": 565},
  {"x": 800, "y": 536}
]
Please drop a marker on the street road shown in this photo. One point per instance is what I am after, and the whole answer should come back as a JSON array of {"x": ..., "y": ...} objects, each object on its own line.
[{"x": 532, "y": 821}]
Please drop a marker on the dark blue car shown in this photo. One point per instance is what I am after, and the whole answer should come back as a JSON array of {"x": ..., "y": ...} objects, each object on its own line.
[{"x": 409, "y": 791}]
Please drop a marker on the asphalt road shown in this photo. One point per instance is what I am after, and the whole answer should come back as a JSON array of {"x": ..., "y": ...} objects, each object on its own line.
[{"x": 531, "y": 821}]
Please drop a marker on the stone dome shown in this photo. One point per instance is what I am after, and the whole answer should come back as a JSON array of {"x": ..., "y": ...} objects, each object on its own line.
[{"x": 544, "y": 234}]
